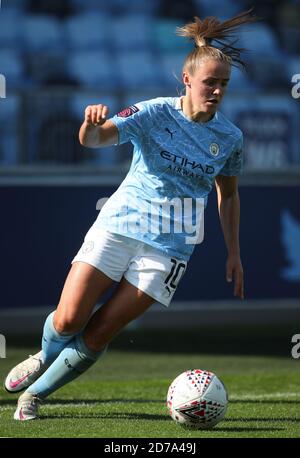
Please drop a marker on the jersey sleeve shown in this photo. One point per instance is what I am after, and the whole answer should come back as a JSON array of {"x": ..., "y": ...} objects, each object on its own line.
[
  {"x": 131, "y": 122},
  {"x": 234, "y": 164}
]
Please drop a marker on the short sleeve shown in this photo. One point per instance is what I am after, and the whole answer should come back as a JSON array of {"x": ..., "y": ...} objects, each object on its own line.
[
  {"x": 130, "y": 122},
  {"x": 234, "y": 164}
]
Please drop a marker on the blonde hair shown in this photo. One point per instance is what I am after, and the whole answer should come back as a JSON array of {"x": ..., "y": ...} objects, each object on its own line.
[{"x": 203, "y": 32}]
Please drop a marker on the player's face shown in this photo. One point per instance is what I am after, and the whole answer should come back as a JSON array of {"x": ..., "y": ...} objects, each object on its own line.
[{"x": 206, "y": 87}]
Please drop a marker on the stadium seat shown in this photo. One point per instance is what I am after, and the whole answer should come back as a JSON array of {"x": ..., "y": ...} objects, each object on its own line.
[
  {"x": 12, "y": 67},
  {"x": 90, "y": 31},
  {"x": 11, "y": 29},
  {"x": 93, "y": 69},
  {"x": 259, "y": 40},
  {"x": 83, "y": 6},
  {"x": 268, "y": 72},
  {"x": 171, "y": 70},
  {"x": 223, "y": 10},
  {"x": 131, "y": 32},
  {"x": 17, "y": 5},
  {"x": 120, "y": 7},
  {"x": 56, "y": 8},
  {"x": 79, "y": 101},
  {"x": 290, "y": 37},
  {"x": 10, "y": 117},
  {"x": 48, "y": 68},
  {"x": 43, "y": 32},
  {"x": 292, "y": 67},
  {"x": 138, "y": 69},
  {"x": 165, "y": 38},
  {"x": 117, "y": 7},
  {"x": 52, "y": 130},
  {"x": 241, "y": 82}
]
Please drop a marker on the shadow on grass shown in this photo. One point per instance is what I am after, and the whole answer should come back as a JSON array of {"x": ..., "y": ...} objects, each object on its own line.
[
  {"x": 74, "y": 402},
  {"x": 246, "y": 430},
  {"x": 264, "y": 401},
  {"x": 109, "y": 416},
  {"x": 154, "y": 417},
  {"x": 80, "y": 402},
  {"x": 263, "y": 419}
]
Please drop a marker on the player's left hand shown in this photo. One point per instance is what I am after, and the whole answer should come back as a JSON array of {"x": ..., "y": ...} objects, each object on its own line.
[{"x": 234, "y": 271}]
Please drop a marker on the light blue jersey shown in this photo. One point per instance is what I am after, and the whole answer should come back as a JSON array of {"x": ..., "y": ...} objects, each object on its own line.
[{"x": 175, "y": 162}]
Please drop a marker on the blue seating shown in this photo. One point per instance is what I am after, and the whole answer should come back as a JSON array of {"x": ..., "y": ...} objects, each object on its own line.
[
  {"x": 81, "y": 100},
  {"x": 290, "y": 37},
  {"x": 120, "y": 7},
  {"x": 10, "y": 117},
  {"x": 171, "y": 66},
  {"x": 268, "y": 72},
  {"x": 292, "y": 67},
  {"x": 240, "y": 82},
  {"x": 16, "y": 5},
  {"x": 11, "y": 66},
  {"x": 90, "y": 30},
  {"x": 223, "y": 10},
  {"x": 11, "y": 29},
  {"x": 260, "y": 40},
  {"x": 131, "y": 32},
  {"x": 117, "y": 7},
  {"x": 43, "y": 32},
  {"x": 83, "y": 6},
  {"x": 93, "y": 69},
  {"x": 138, "y": 69},
  {"x": 48, "y": 68},
  {"x": 165, "y": 38}
]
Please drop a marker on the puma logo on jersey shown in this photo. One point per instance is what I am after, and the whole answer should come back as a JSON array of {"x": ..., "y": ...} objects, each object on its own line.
[{"x": 171, "y": 133}]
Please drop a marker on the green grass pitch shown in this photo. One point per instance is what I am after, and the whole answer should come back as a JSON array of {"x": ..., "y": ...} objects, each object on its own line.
[{"x": 124, "y": 394}]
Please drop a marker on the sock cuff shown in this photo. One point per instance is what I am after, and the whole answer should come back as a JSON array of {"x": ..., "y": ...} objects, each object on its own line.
[
  {"x": 50, "y": 325},
  {"x": 85, "y": 351}
]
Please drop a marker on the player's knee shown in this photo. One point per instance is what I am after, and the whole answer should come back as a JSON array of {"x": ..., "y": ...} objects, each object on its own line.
[{"x": 67, "y": 324}]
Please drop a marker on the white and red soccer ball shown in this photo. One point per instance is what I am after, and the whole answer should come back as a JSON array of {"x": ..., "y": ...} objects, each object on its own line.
[{"x": 197, "y": 398}]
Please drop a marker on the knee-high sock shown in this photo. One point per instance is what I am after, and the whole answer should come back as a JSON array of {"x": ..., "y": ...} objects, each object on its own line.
[
  {"x": 52, "y": 341},
  {"x": 73, "y": 360}
]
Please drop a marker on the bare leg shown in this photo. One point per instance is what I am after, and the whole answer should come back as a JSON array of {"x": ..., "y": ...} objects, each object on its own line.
[
  {"x": 126, "y": 304},
  {"x": 83, "y": 287}
]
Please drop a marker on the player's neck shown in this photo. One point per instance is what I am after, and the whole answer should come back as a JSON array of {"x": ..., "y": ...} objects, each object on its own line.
[{"x": 191, "y": 113}]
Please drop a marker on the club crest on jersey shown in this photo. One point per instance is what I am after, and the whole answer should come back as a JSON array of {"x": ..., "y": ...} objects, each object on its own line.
[
  {"x": 214, "y": 149},
  {"x": 128, "y": 111}
]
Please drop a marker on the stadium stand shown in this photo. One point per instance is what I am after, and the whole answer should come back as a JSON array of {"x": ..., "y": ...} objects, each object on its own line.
[
  {"x": 89, "y": 31},
  {"x": 130, "y": 50},
  {"x": 42, "y": 32},
  {"x": 93, "y": 69},
  {"x": 10, "y": 117}
]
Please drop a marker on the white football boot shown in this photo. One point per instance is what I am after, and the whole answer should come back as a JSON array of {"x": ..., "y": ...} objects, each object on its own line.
[
  {"x": 25, "y": 373},
  {"x": 27, "y": 409}
]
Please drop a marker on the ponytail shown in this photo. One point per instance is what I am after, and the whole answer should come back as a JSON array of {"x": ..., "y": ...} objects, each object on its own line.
[{"x": 204, "y": 32}]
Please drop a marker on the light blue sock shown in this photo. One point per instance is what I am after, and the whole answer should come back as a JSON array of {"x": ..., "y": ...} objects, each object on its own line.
[
  {"x": 72, "y": 361},
  {"x": 52, "y": 341}
]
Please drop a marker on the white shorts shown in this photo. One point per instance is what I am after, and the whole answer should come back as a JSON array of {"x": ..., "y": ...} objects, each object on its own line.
[{"x": 141, "y": 265}]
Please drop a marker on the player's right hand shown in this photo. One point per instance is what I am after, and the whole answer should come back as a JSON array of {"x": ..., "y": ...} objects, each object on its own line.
[{"x": 96, "y": 115}]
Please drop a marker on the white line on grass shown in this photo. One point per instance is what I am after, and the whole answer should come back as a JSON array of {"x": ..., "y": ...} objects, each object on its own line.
[{"x": 232, "y": 397}]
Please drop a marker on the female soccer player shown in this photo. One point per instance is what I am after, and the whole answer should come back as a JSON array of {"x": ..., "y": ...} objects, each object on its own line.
[{"x": 142, "y": 236}]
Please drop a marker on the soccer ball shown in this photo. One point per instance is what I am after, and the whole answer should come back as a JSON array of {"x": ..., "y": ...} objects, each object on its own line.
[{"x": 197, "y": 398}]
